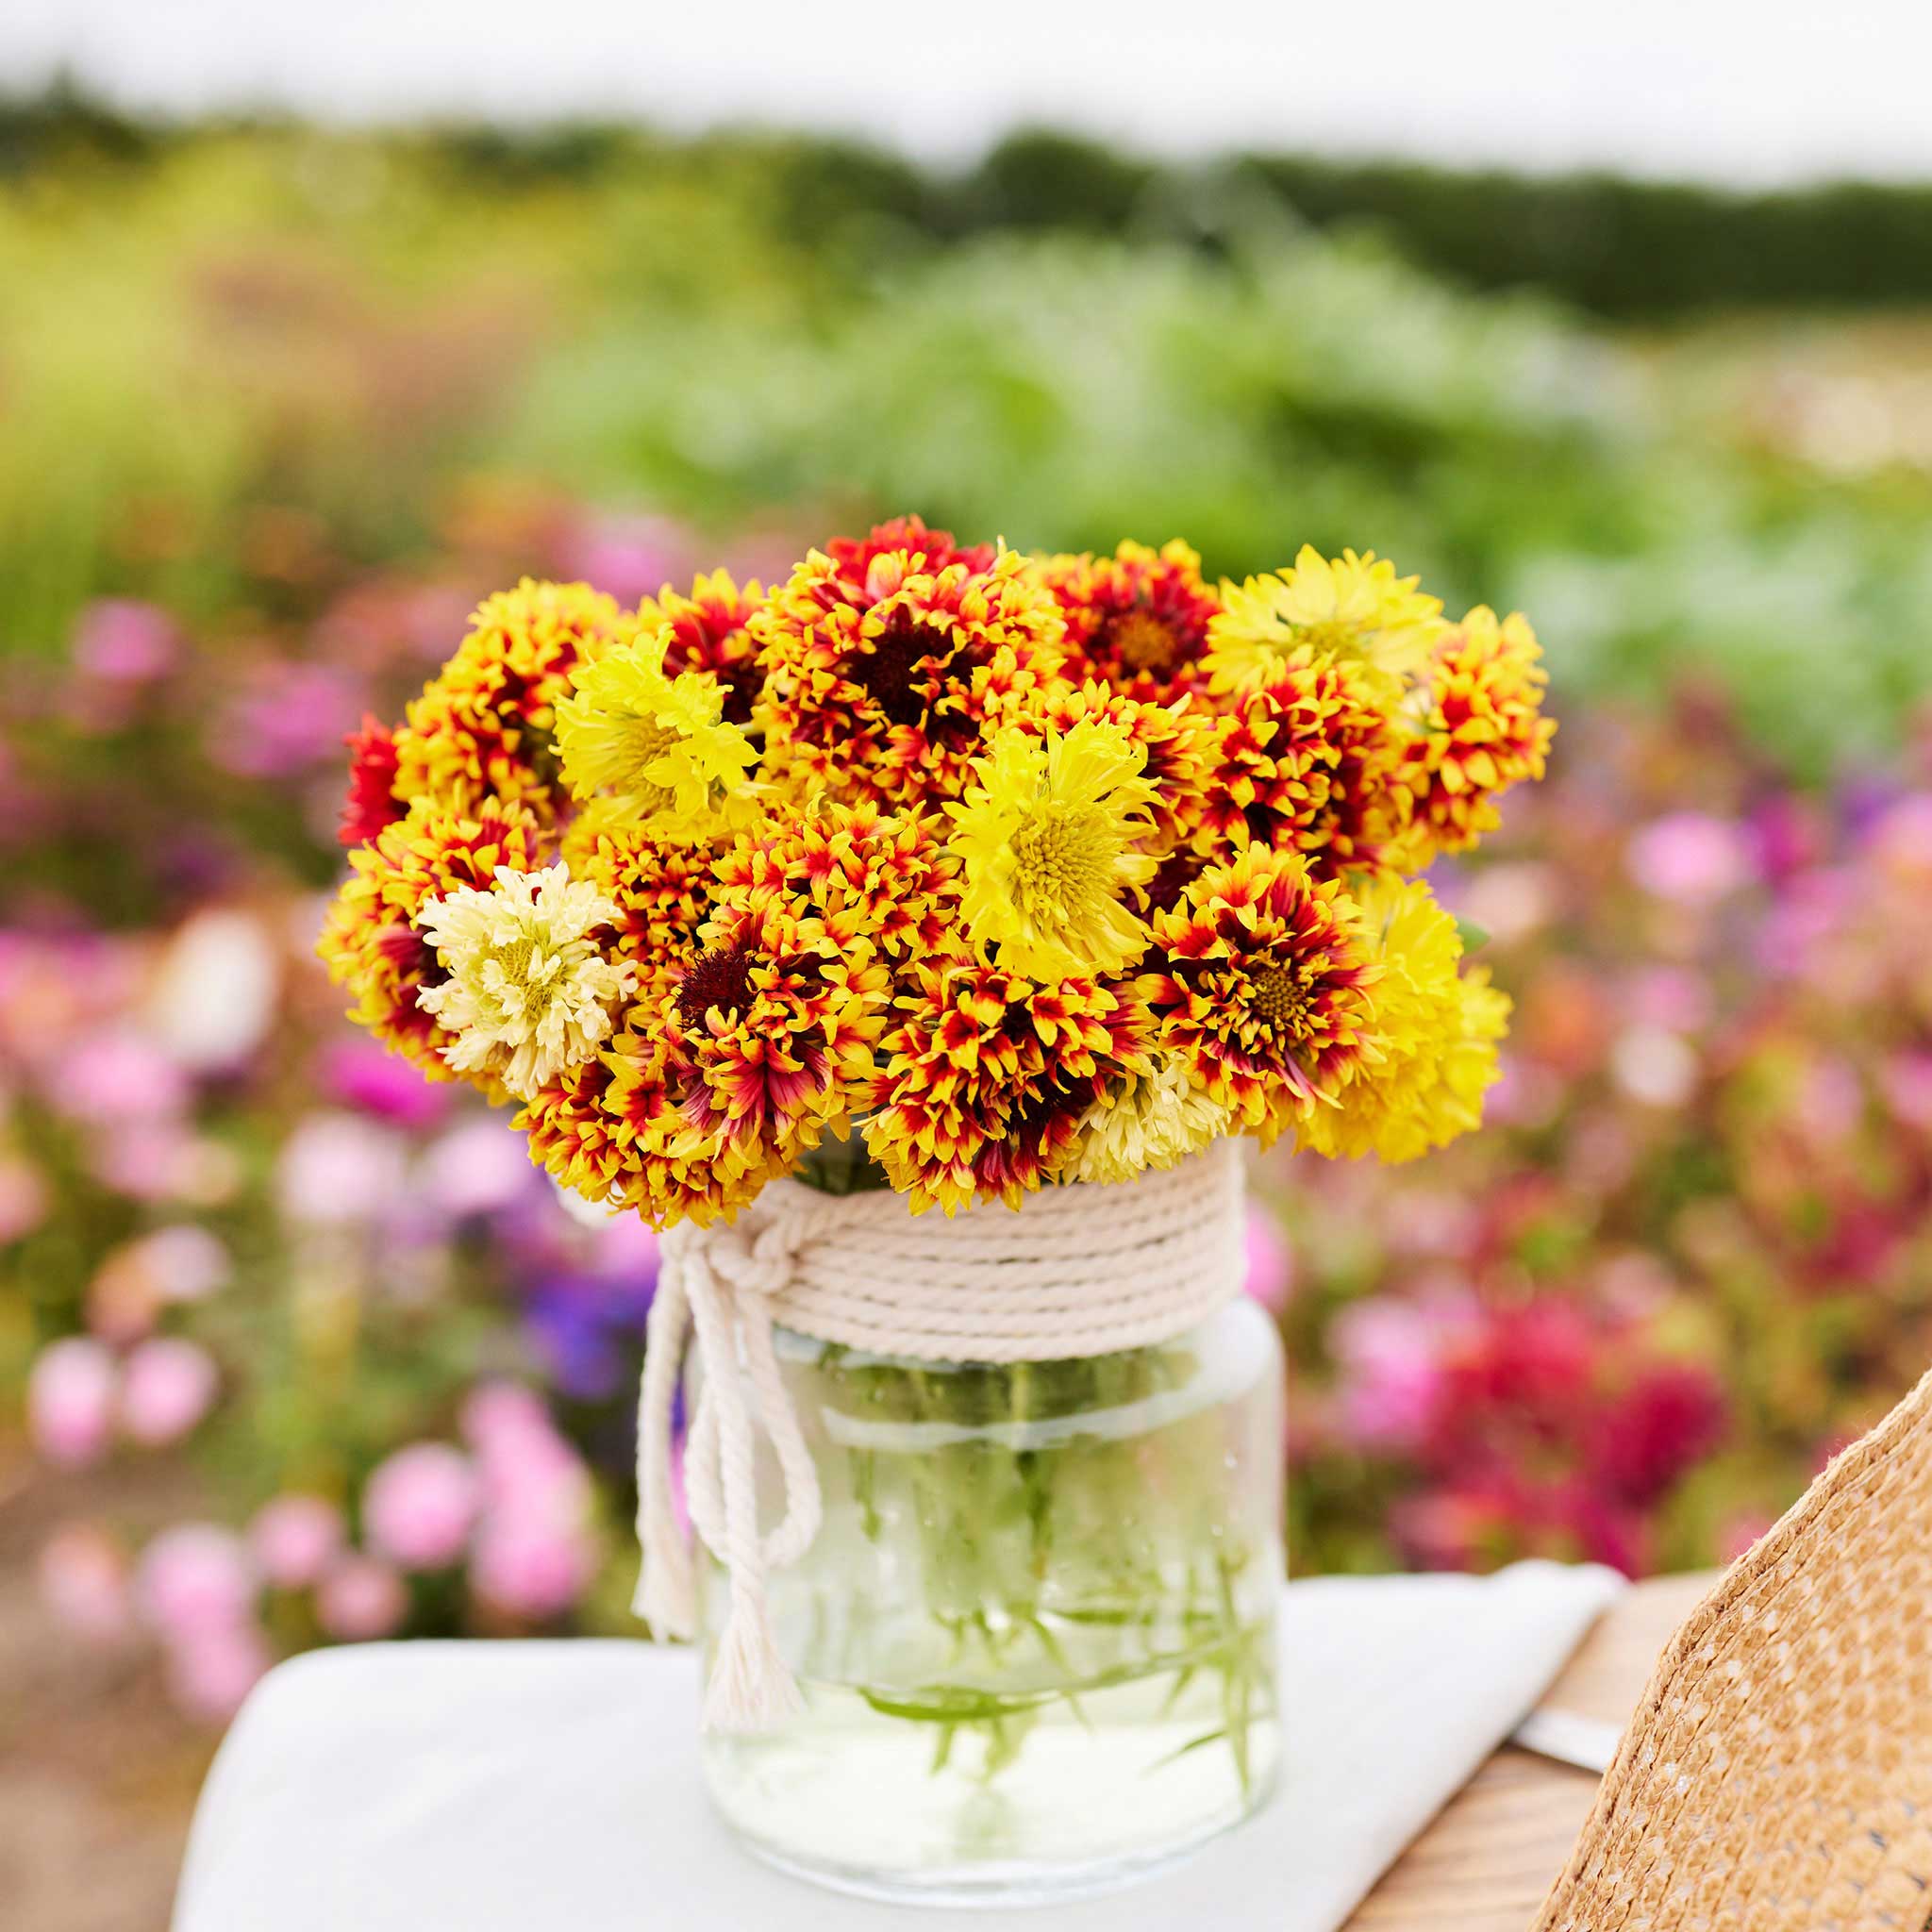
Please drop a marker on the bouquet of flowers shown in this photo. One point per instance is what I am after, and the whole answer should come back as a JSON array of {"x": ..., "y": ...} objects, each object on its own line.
[{"x": 941, "y": 865}]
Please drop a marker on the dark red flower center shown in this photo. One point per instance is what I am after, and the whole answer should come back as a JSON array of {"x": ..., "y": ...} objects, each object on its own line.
[
  {"x": 901, "y": 674},
  {"x": 720, "y": 978}
]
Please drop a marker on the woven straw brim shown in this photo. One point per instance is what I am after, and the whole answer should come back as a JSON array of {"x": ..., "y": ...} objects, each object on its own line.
[{"x": 1778, "y": 1775}]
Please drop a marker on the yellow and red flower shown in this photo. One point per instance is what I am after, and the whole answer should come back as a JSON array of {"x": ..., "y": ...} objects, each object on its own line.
[
  {"x": 373, "y": 941},
  {"x": 935, "y": 549},
  {"x": 1263, "y": 985},
  {"x": 1310, "y": 764},
  {"x": 710, "y": 631},
  {"x": 867, "y": 876},
  {"x": 482, "y": 728},
  {"x": 881, "y": 688},
  {"x": 982, "y": 1085},
  {"x": 1482, "y": 731},
  {"x": 662, "y": 891},
  {"x": 1138, "y": 619}
]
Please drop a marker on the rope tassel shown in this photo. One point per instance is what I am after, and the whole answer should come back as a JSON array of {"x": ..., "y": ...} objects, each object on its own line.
[{"x": 1084, "y": 1271}]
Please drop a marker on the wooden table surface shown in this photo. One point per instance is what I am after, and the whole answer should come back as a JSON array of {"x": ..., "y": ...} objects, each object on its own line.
[{"x": 1487, "y": 1860}]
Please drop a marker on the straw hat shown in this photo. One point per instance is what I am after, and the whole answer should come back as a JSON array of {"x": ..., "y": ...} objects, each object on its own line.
[{"x": 1778, "y": 1775}]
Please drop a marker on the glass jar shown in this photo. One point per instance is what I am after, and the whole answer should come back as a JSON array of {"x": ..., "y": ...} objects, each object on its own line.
[{"x": 1034, "y": 1635}]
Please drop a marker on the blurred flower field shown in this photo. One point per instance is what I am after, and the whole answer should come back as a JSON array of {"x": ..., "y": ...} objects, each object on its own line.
[{"x": 296, "y": 1348}]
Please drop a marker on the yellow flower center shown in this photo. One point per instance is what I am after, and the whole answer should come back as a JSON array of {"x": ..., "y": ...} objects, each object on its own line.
[
  {"x": 1063, "y": 860},
  {"x": 1280, "y": 999},
  {"x": 641, "y": 742}
]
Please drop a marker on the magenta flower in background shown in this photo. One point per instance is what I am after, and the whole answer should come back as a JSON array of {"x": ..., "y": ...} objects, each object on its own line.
[
  {"x": 167, "y": 1386},
  {"x": 1390, "y": 1353},
  {"x": 69, "y": 1401},
  {"x": 194, "y": 1579},
  {"x": 361, "y": 1599},
  {"x": 1691, "y": 857},
  {"x": 211, "y": 1672},
  {"x": 419, "y": 1506},
  {"x": 294, "y": 1539},
  {"x": 82, "y": 1577},
  {"x": 364, "y": 1075},
  {"x": 286, "y": 719},
  {"x": 1268, "y": 1267}
]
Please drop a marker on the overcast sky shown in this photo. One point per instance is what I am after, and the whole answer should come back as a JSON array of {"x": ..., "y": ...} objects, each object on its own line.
[{"x": 1749, "y": 91}]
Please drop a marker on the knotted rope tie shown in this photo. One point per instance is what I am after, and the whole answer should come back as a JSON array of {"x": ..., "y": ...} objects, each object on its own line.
[{"x": 1082, "y": 1270}]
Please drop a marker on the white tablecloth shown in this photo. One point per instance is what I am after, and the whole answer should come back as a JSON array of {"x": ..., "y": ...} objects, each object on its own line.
[{"x": 554, "y": 1786}]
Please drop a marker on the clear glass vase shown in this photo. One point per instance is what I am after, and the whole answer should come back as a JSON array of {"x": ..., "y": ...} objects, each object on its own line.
[{"x": 1036, "y": 1632}]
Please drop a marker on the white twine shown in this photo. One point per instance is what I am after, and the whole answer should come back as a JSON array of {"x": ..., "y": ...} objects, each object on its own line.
[{"x": 1081, "y": 1271}]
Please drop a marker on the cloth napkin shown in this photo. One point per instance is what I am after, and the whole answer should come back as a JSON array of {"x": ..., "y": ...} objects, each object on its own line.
[{"x": 552, "y": 1787}]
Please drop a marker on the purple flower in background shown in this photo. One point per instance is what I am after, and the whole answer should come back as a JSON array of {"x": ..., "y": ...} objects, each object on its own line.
[
  {"x": 588, "y": 1328},
  {"x": 363, "y": 1074}
]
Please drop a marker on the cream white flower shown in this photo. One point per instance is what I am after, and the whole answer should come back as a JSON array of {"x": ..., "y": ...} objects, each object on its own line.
[
  {"x": 1155, "y": 1120},
  {"x": 529, "y": 992}
]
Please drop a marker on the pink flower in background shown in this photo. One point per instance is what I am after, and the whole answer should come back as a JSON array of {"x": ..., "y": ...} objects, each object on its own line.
[
  {"x": 361, "y": 1599},
  {"x": 478, "y": 1168},
  {"x": 193, "y": 1579},
  {"x": 533, "y": 1565},
  {"x": 117, "y": 640},
  {"x": 286, "y": 719},
  {"x": 1391, "y": 1355},
  {"x": 116, "y": 1077},
  {"x": 364, "y": 1075},
  {"x": 630, "y": 558},
  {"x": 167, "y": 1386},
  {"x": 24, "y": 1198},
  {"x": 1906, "y": 1081},
  {"x": 69, "y": 1401},
  {"x": 1691, "y": 857},
  {"x": 83, "y": 1580},
  {"x": 211, "y": 1672},
  {"x": 1269, "y": 1269},
  {"x": 337, "y": 1169},
  {"x": 294, "y": 1539},
  {"x": 419, "y": 1506},
  {"x": 186, "y": 1262}
]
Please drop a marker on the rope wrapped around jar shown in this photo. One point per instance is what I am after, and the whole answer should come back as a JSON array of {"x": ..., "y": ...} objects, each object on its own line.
[{"x": 1083, "y": 1270}]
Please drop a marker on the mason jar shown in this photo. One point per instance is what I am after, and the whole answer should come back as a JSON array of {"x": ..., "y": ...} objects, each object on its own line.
[{"x": 1034, "y": 1635}]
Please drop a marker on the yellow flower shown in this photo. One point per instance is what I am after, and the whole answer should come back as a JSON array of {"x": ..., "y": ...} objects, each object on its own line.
[
  {"x": 530, "y": 990},
  {"x": 1439, "y": 1031},
  {"x": 653, "y": 745},
  {"x": 1353, "y": 609},
  {"x": 1155, "y": 1119},
  {"x": 1046, "y": 842}
]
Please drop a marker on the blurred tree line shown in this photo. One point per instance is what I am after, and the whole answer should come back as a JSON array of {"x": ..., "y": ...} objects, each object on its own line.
[{"x": 1622, "y": 248}]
